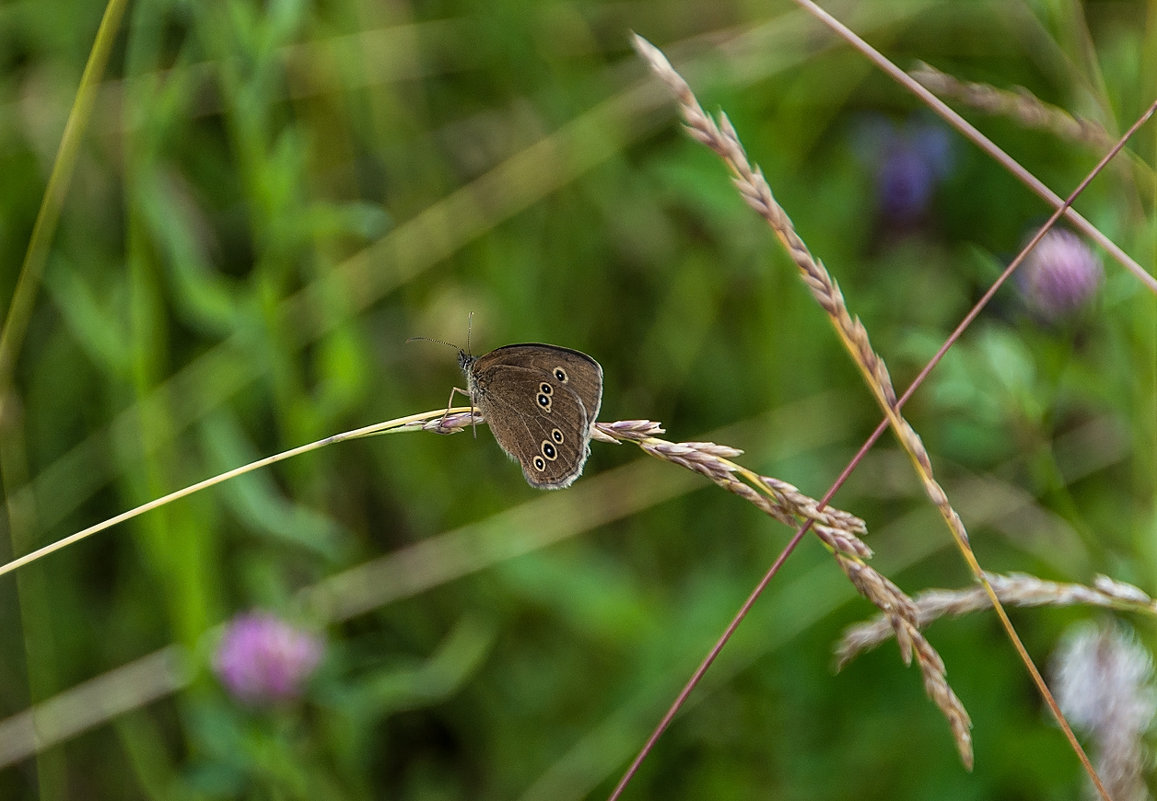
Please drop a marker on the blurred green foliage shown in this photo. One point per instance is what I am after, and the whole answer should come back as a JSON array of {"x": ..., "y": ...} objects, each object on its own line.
[{"x": 271, "y": 197}]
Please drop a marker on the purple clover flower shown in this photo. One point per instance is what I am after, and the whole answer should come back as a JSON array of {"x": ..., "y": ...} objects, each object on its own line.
[
  {"x": 908, "y": 160},
  {"x": 261, "y": 659},
  {"x": 1060, "y": 275}
]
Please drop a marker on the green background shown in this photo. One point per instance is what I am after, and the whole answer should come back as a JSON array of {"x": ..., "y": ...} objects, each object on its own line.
[{"x": 271, "y": 197}]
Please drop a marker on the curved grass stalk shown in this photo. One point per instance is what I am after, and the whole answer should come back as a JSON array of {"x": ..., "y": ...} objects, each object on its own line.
[{"x": 412, "y": 422}]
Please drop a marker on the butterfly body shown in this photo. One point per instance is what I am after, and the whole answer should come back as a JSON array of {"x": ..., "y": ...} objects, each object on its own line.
[{"x": 540, "y": 401}]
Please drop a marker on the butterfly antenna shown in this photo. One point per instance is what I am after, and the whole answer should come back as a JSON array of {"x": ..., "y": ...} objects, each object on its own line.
[{"x": 436, "y": 341}]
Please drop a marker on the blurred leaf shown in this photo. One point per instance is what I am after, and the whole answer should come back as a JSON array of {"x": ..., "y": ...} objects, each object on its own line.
[{"x": 259, "y": 503}]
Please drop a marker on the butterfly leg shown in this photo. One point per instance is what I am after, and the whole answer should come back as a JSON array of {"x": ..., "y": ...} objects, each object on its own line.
[{"x": 450, "y": 404}]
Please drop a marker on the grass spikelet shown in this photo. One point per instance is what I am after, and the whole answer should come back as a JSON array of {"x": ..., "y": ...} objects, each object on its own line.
[
  {"x": 839, "y": 530},
  {"x": 1018, "y": 104},
  {"x": 1014, "y": 589},
  {"x": 722, "y": 138}
]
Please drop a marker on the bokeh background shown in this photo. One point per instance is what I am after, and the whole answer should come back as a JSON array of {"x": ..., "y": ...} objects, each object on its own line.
[{"x": 269, "y": 198}]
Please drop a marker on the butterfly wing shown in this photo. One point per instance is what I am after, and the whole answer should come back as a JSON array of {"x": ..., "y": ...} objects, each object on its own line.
[
  {"x": 572, "y": 368},
  {"x": 535, "y": 399}
]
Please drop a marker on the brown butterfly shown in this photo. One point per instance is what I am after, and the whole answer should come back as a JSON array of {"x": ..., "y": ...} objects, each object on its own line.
[{"x": 540, "y": 401}]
